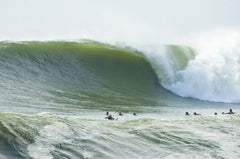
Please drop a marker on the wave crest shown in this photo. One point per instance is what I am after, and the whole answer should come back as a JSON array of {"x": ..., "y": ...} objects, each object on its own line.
[{"x": 206, "y": 72}]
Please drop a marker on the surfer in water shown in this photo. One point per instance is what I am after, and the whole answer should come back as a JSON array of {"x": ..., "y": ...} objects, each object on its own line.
[
  {"x": 186, "y": 113},
  {"x": 230, "y": 112},
  {"x": 120, "y": 114},
  {"x": 196, "y": 113},
  {"x": 109, "y": 117},
  {"x": 134, "y": 114}
]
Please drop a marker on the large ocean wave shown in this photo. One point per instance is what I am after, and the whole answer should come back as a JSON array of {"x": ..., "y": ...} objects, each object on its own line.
[
  {"x": 211, "y": 73},
  {"x": 54, "y": 95}
]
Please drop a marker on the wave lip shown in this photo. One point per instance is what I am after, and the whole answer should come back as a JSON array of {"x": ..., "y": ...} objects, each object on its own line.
[{"x": 210, "y": 72}]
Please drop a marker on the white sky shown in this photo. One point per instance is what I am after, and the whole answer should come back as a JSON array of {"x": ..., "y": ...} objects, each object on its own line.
[{"x": 114, "y": 19}]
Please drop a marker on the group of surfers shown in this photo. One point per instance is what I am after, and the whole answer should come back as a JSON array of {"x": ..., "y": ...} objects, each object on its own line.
[
  {"x": 109, "y": 116},
  {"x": 230, "y": 112}
]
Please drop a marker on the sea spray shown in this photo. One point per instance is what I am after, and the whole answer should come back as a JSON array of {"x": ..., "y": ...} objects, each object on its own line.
[
  {"x": 208, "y": 69},
  {"x": 54, "y": 96}
]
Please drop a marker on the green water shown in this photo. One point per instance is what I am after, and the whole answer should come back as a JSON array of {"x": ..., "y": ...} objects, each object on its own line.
[{"x": 54, "y": 96}]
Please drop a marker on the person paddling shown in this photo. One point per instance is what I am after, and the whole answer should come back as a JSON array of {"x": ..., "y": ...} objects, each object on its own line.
[
  {"x": 196, "y": 113},
  {"x": 109, "y": 117},
  {"x": 230, "y": 112},
  {"x": 120, "y": 114}
]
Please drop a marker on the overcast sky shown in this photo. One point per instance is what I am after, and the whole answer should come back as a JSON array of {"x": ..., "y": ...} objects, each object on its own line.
[{"x": 114, "y": 19}]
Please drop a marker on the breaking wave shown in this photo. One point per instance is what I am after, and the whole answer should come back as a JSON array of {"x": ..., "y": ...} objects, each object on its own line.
[{"x": 211, "y": 74}]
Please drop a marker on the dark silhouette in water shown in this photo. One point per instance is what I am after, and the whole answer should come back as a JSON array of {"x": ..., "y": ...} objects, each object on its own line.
[
  {"x": 196, "y": 113},
  {"x": 107, "y": 113},
  {"x": 109, "y": 117},
  {"x": 215, "y": 113},
  {"x": 134, "y": 114},
  {"x": 120, "y": 114},
  {"x": 186, "y": 113},
  {"x": 230, "y": 112}
]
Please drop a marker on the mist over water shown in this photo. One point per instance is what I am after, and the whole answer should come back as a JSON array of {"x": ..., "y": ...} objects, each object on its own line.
[
  {"x": 208, "y": 70},
  {"x": 149, "y": 22}
]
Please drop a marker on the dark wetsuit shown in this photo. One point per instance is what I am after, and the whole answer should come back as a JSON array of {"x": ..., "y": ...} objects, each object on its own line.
[
  {"x": 196, "y": 114},
  {"x": 110, "y": 117},
  {"x": 230, "y": 113}
]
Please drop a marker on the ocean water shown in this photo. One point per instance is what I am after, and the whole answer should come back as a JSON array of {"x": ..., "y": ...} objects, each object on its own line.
[{"x": 54, "y": 96}]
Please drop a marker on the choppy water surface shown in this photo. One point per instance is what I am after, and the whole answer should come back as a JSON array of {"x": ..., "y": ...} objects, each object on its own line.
[{"x": 54, "y": 96}]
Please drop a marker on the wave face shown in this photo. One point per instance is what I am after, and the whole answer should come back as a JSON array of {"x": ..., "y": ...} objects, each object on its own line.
[
  {"x": 51, "y": 75},
  {"x": 49, "y": 70}
]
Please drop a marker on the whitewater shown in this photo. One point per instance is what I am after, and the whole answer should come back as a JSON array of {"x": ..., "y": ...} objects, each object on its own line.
[
  {"x": 208, "y": 70},
  {"x": 54, "y": 96},
  {"x": 65, "y": 64}
]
